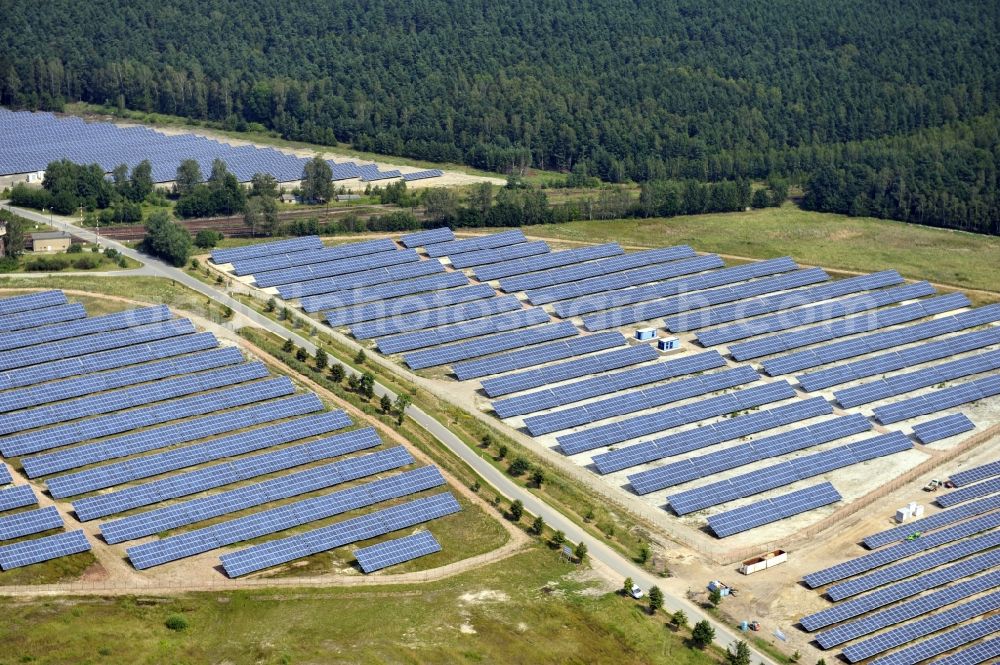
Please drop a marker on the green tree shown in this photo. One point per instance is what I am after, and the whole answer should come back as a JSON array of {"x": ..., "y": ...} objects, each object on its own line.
[
  {"x": 360, "y": 357},
  {"x": 627, "y": 586},
  {"x": 679, "y": 619},
  {"x": 141, "y": 185},
  {"x": 703, "y": 634},
  {"x": 441, "y": 204},
  {"x": 581, "y": 551},
  {"x": 260, "y": 215},
  {"x": 558, "y": 538},
  {"x": 518, "y": 467},
  {"x": 538, "y": 526},
  {"x": 400, "y": 406},
  {"x": 367, "y": 384},
  {"x": 271, "y": 305},
  {"x": 337, "y": 373},
  {"x": 655, "y": 599},
  {"x": 537, "y": 477},
  {"x": 301, "y": 355},
  {"x": 502, "y": 451},
  {"x": 761, "y": 199},
  {"x": 207, "y": 238},
  {"x": 738, "y": 653},
  {"x": 288, "y": 347},
  {"x": 385, "y": 404},
  {"x": 188, "y": 176},
  {"x": 321, "y": 359},
  {"x": 317, "y": 180},
  {"x": 14, "y": 241},
  {"x": 264, "y": 185},
  {"x": 714, "y": 597},
  {"x": 166, "y": 239},
  {"x": 516, "y": 510}
]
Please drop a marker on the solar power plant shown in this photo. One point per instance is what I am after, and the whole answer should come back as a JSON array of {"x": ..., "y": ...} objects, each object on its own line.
[
  {"x": 330, "y": 537},
  {"x": 251, "y": 496},
  {"x": 991, "y": 486},
  {"x": 941, "y": 643},
  {"x": 636, "y": 426},
  {"x": 291, "y": 259},
  {"x": 914, "y": 566},
  {"x": 395, "y": 307},
  {"x": 620, "y": 280},
  {"x": 768, "y": 511},
  {"x": 381, "y": 292},
  {"x": 505, "y": 341},
  {"x": 74, "y": 432},
  {"x": 150, "y": 439},
  {"x": 908, "y": 610},
  {"x": 17, "y": 496},
  {"x": 942, "y": 428},
  {"x": 608, "y": 383},
  {"x": 446, "y": 334},
  {"x": 963, "y": 478},
  {"x": 785, "y": 473},
  {"x": 319, "y": 270},
  {"x": 125, "y": 398},
  {"x": 473, "y": 244},
  {"x": 899, "y": 359},
  {"x": 212, "y": 476},
  {"x": 687, "y": 301},
  {"x": 938, "y": 400},
  {"x": 541, "y": 262},
  {"x": 880, "y": 341},
  {"x": 486, "y": 256},
  {"x": 909, "y": 633},
  {"x": 360, "y": 280},
  {"x": 890, "y": 594},
  {"x": 850, "y": 326},
  {"x": 673, "y": 287},
  {"x": 755, "y": 307},
  {"x": 578, "y": 271},
  {"x": 710, "y": 434},
  {"x": 602, "y": 362},
  {"x": 29, "y": 522},
  {"x": 283, "y": 517},
  {"x": 231, "y": 255},
  {"x": 396, "y": 551},
  {"x": 937, "y": 521},
  {"x": 872, "y": 560},
  {"x": 23, "y": 357},
  {"x": 217, "y": 475},
  {"x": 433, "y": 318},
  {"x": 632, "y": 402},
  {"x": 428, "y": 237},
  {"x": 27, "y": 552},
  {"x": 538, "y": 355},
  {"x": 31, "y": 302},
  {"x": 807, "y": 315},
  {"x": 977, "y": 653},
  {"x": 105, "y": 360},
  {"x": 899, "y": 384},
  {"x": 98, "y": 324},
  {"x": 41, "y": 317},
  {"x": 704, "y": 466}
]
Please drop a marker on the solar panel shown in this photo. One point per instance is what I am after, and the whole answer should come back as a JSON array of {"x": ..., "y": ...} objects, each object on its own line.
[
  {"x": 488, "y": 344},
  {"x": 220, "y": 256},
  {"x": 279, "y": 261},
  {"x": 361, "y": 279},
  {"x": 984, "y": 488},
  {"x": 487, "y": 256},
  {"x": 486, "y": 325},
  {"x": 334, "y": 269},
  {"x": 977, "y": 653},
  {"x": 379, "y": 292},
  {"x": 31, "y": 302},
  {"x": 931, "y": 522},
  {"x": 523, "y": 358},
  {"x": 40, "y": 317},
  {"x": 17, "y": 496},
  {"x": 37, "y": 550},
  {"x": 431, "y": 318},
  {"x": 769, "y": 511},
  {"x": 938, "y": 400},
  {"x": 428, "y": 237},
  {"x": 963, "y": 478},
  {"x": 29, "y": 522},
  {"x": 942, "y": 428},
  {"x": 395, "y": 307},
  {"x": 546, "y": 261},
  {"x": 85, "y": 326},
  {"x": 4, "y": 475},
  {"x": 396, "y": 551},
  {"x": 452, "y": 247}
]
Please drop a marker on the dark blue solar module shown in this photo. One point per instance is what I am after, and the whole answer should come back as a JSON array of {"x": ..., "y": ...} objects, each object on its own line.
[
  {"x": 396, "y": 551},
  {"x": 710, "y": 434},
  {"x": 975, "y": 474},
  {"x": 46, "y": 548},
  {"x": 5, "y": 476},
  {"x": 422, "y": 175},
  {"x": 17, "y": 496},
  {"x": 361, "y": 280},
  {"x": 473, "y": 244},
  {"x": 991, "y": 486},
  {"x": 336, "y": 268},
  {"x": 769, "y": 511},
  {"x": 40, "y": 317},
  {"x": 942, "y": 428},
  {"x": 784, "y": 473},
  {"x": 432, "y": 318},
  {"x": 97, "y": 324},
  {"x": 636, "y": 426},
  {"x": 487, "y": 256},
  {"x": 381, "y": 292},
  {"x": 31, "y": 301},
  {"x": 938, "y": 400},
  {"x": 504, "y": 341},
  {"x": 936, "y": 521},
  {"x": 29, "y": 522},
  {"x": 941, "y": 643},
  {"x": 302, "y": 244},
  {"x": 982, "y": 652},
  {"x": 428, "y": 237},
  {"x": 396, "y": 307},
  {"x": 546, "y": 261},
  {"x": 523, "y": 358},
  {"x": 486, "y": 325},
  {"x": 291, "y": 259}
]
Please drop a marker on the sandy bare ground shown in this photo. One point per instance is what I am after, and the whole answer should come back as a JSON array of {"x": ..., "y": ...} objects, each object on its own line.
[{"x": 114, "y": 575}]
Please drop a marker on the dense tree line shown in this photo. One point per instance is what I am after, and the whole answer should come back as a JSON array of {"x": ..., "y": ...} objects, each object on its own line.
[{"x": 704, "y": 90}]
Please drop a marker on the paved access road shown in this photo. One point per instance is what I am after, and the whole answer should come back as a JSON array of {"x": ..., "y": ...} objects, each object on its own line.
[{"x": 608, "y": 560}]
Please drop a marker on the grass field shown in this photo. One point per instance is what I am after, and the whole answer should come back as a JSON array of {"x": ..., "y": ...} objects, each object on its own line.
[
  {"x": 965, "y": 260},
  {"x": 531, "y": 608}
]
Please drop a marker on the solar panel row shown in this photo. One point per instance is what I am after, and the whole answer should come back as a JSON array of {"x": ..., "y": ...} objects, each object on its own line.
[
  {"x": 486, "y": 256},
  {"x": 609, "y": 383},
  {"x": 336, "y": 535},
  {"x": 396, "y": 551},
  {"x": 87, "y": 326},
  {"x": 29, "y": 522},
  {"x": 974, "y": 655},
  {"x": 880, "y": 341},
  {"x": 785, "y": 473},
  {"x": 538, "y": 355},
  {"x": 336, "y": 268},
  {"x": 850, "y": 326},
  {"x": 518, "y": 339},
  {"x": 940, "y": 643},
  {"x": 361, "y": 279},
  {"x": 159, "y": 437},
  {"x": 602, "y": 362},
  {"x": 656, "y": 308},
  {"x": 942, "y": 428},
  {"x": 768, "y": 511},
  {"x": 963, "y": 478},
  {"x": 428, "y": 237},
  {"x": 632, "y": 402},
  {"x": 620, "y": 297},
  {"x": 522, "y": 318},
  {"x": 37, "y": 550},
  {"x": 302, "y": 244},
  {"x": 17, "y": 496},
  {"x": 709, "y": 434},
  {"x": 704, "y": 466},
  {"x": 31, "y": 302},
  {"x": 923, "y": 524},
  {"x": 432, "y": 318},
  {"x": 636, "y": 426},
  {"x": 900, "y": 359},
  {"x": 408, "y": 304},
  {"x": 991, "y": 486},
  {"x": 938, "y": 400},
  {"x": 784, "y": 301},
  {"x": 40, "y": 317},
  {"x": 453, "y": 247},
  {"x": 290, "y": 259},
  {"x": 5, "y": 475},
  {"x": 546, "y": 261},
  {"x": 379, "y": 292}
]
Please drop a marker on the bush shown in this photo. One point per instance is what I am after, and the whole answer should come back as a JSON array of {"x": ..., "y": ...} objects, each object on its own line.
[
  {"x": 176, "y": 622},
  {"x": 518, "y": 467},
  {"x": 207, "y": 238},
  {"x": 75, "y": 248},
  {"x": 301, "y": 355},
  {"x": 44, "y": 264},
  {"x": 86, "y": 263}
]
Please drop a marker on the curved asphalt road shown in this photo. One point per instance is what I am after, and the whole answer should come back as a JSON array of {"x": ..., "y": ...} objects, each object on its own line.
[{"x": 607, "y": 557}]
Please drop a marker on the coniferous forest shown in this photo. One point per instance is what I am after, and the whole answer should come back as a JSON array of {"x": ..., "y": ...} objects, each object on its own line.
[{"x": 888, "y": 108}]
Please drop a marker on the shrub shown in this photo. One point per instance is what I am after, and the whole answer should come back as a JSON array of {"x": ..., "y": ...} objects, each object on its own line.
[
  {"x": 75, "y": 248},
  {"x": 518, "y": 467},
  {"x": 176, "y": 622}
]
